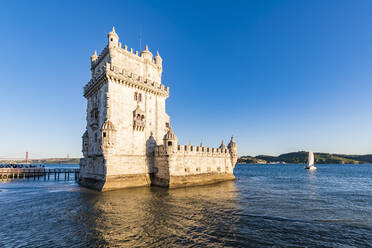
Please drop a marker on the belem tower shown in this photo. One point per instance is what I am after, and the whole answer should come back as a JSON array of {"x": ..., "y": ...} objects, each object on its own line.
[{"x": 128, "y": 140}]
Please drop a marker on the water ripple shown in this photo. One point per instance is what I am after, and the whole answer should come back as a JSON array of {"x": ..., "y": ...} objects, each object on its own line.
[{"x": 268, "y": 206}]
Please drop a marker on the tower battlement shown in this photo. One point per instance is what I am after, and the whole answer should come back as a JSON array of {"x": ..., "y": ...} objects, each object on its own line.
[
  {"x": 121, "y": 76},
  {"x": 160, "y": 150},
  {"x": 142, "y": 64},
  {"x": 128, "y": 140},
  {"x": 156, "y": 62}
]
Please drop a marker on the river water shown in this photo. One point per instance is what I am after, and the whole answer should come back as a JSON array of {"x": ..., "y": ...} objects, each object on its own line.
[{"x": 267, "y": 206}]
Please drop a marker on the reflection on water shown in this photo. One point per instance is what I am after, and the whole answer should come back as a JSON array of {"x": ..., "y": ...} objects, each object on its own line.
[
  {"x": 268, "y": 206},
  {"x": 159, "y": 217},
  {"x": 312, "y": 183}
]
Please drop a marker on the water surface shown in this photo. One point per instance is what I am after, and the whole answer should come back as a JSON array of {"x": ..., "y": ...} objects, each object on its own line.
[{"x": 268, "y": 206}]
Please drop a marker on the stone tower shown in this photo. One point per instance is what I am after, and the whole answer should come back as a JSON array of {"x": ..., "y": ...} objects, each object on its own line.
[
  {"x": 126, "y": 117},
  {"x": 128, "y": 140}
]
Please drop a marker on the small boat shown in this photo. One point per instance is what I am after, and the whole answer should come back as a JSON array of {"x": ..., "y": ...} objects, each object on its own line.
[{"x": 310, "y": 162}]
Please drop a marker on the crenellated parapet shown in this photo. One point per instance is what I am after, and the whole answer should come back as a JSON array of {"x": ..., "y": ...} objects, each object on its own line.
[
  {"x": 191, "y": 150},
  {"x": 122, "y": 65},
  {"x": 114, "y": 49},
  {"x": 170, "y": 146},
  {"x": 186, "y": 165},
  {"x": 126, "y": 78},
  {"x": 144, "y": 57}
]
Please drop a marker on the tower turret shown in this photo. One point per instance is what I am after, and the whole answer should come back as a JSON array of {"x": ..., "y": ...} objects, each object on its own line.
[
  {"x": 94, "y": 57},
  {"x": 113, "y": 38},
  {"x": 170, "y": 141},
  {"x": 146, "y": 54},
  {"x": 158, "y": 60},
  {"x": 222, "y": 146},
  {"x": 232, "y": 146}
]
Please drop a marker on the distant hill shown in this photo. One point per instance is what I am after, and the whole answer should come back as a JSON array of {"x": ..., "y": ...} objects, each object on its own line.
[
  {"x": 252, "y": 160},
  {"x": 301, "y": 158}
]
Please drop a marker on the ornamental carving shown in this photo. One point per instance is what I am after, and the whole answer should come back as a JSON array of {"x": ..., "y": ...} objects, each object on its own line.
[{"x": 139, "y": 121}]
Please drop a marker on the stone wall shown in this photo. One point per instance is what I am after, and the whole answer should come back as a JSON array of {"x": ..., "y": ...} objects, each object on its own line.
[{"x": 192, "y": 165}]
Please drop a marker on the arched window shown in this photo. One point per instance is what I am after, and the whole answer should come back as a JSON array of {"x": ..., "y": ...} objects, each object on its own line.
[{"x": 169, "y": 143}]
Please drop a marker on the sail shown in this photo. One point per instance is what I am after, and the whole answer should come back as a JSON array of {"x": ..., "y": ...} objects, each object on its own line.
[{"x": 311, "y": 158}]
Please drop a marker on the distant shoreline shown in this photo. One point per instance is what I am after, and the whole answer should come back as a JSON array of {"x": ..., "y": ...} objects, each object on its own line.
[
  {"x": 44, "y": 161},
  {"x": 301, "y": 158}
]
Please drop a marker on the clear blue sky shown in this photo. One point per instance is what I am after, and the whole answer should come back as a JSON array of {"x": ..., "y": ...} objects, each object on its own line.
[{"x": 280, "y": 75}]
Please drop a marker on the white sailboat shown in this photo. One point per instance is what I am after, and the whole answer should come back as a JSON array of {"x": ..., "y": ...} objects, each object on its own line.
[{"x": 310, "y": 162}]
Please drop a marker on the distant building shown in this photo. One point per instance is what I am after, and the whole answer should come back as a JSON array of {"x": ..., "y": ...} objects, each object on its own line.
[{"x": 128, "y": 140}]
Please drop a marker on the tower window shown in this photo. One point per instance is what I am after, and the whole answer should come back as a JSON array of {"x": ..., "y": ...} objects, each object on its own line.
[
  {"x": 104, "y": 134},
  {"x": 169, "y": 143},
  {"x": 137, "y": 97},
  {"x": 112, "y": 39}
]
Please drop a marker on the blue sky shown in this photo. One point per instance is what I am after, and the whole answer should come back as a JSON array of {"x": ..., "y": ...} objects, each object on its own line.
[{"x": 280, "y": 75}]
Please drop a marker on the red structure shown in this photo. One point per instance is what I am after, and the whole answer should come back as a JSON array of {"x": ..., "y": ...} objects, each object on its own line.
[{"x": 26, "y": 157}]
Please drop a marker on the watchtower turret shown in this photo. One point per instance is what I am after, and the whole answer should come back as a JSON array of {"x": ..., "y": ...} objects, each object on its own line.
[
  {"x": 222, "y": 146},
  {"x": 94, "y": 57},
  {"x": 232, "y": 146},
  {"x": 233, "y": 150},
  {"x": 158, "y": 60},
  {"x": 113, "y": 39},
  {"x": 146, "y": 54},
  {"x": 170, "y": 141}
]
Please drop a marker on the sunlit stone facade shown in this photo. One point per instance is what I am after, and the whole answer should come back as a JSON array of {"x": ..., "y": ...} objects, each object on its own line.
[{"x": 128, "y": 140}]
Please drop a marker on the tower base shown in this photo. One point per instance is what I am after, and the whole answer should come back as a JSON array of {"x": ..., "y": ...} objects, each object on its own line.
[
  {"x": 192, "y": 180},
  {"x": 116, "y": 182}
]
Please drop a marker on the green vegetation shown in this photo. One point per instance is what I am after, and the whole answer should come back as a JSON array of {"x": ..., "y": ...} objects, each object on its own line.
[{"x": 301, "y": 158}]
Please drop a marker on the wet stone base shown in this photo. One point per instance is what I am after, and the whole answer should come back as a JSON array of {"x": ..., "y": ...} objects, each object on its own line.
[
  {"x": 192, "y": 180},
  {"x": 116, "y": 182},
  {"x": 91, "y": 183}
]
